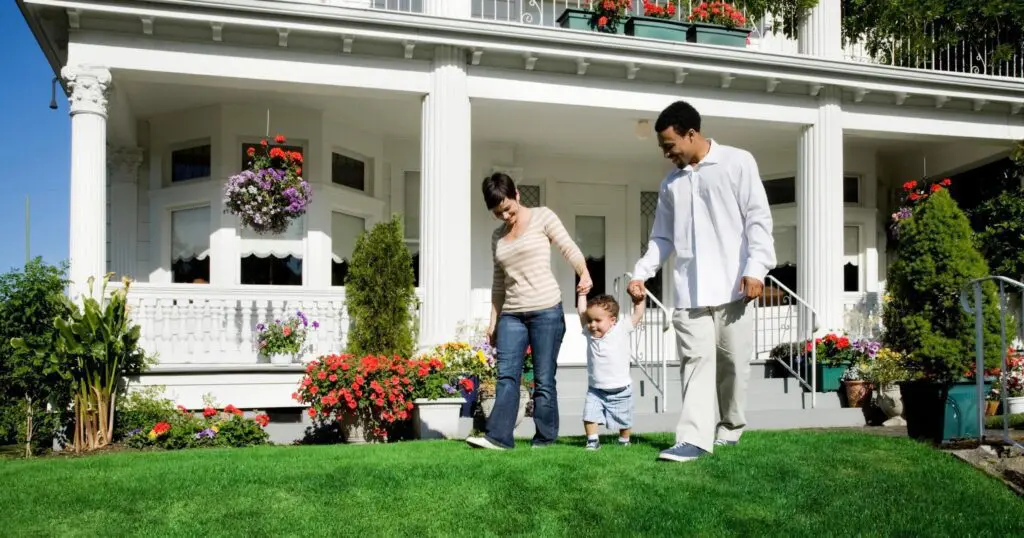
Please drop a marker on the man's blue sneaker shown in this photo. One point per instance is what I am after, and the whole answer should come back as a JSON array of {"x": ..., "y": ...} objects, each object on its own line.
[{"x": 682, "y": 452}]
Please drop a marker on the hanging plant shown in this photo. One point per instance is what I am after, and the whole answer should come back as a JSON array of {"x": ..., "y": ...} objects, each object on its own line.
[{"x": 270, "y": 193}]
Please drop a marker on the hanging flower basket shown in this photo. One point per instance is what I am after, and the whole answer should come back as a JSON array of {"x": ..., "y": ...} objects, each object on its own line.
[{"x": 270, "y": 193}]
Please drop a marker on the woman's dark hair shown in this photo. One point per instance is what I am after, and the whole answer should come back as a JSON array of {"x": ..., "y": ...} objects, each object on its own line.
[
  {"x": 496, "y": 188},
  {"x": 681, "y": 116}
]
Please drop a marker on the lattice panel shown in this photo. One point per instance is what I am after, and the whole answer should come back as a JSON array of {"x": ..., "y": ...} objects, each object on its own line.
[{"x": 529, "y": 195}]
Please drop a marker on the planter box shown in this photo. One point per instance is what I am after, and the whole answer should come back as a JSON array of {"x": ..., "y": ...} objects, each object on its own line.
[
  {"x": 576, "y": 19},
  {"x": 713, "y": 34},
  {"x": 655, "y": 28},
  {"x": 437, "y": 419},
  {"x": 962, "y": 408},
  {"x": 829, "y": 377}
]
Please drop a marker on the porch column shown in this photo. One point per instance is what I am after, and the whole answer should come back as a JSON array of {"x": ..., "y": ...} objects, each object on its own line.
[
  {"x": 455, "y": 9},
  {"x": 445, "y": 199},
  {"x": 819, "y": 200},
  {"x": 123, "y": 169},
  {"x": 87, "y": 240},
  {"x": 821, "y": 33}
]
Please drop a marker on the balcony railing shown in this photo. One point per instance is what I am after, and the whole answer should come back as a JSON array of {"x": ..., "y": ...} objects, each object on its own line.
[{"x": 989, "y": 56}]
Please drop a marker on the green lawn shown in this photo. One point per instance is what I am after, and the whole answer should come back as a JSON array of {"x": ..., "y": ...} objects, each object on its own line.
[{"x": 775, "y": 483}]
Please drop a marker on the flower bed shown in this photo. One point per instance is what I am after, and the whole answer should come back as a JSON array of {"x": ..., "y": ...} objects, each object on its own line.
[
  {"x": 215, "y": 428},
  {"x": 271, "y": 193}
]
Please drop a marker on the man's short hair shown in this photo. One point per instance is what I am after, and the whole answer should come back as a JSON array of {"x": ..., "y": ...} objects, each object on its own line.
[
  {"x": 681, "y": 116},
  {"x": 607, "y": 302}
]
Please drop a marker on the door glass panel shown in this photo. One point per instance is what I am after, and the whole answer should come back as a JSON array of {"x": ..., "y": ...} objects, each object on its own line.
[{"x": 590, "y": 237}]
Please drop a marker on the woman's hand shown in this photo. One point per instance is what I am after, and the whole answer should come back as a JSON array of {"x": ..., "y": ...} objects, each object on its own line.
[
  {"x": 490, "y": 335},
  {"x": 586, "y": 284}
]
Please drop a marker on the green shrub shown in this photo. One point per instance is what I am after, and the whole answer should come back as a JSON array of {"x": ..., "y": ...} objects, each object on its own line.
[
  {"x": 380, "y": 295},
  {"x": 30, "y": 300},
  {"x": 923, "y": 317},
  {"x": 224, "y": 428},
  {"x": 141, "y": 409},
  {"x": 1000, "y": 237}
]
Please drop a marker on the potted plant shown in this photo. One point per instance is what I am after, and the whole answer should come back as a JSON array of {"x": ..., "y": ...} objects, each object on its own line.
[
  {"x": 922, "y": 317},
  {"x": 885, "y": 374},
  {"x": 436, "y": 398},
  {"x": 858, "y": 388},
  {"x": 1014, "y": 382},
  {"x": 718, "y": 23},
  {"x": 658, "y": 22},
  {"x": 603, "y": 16},
  {"x": 835, "y": 355},
  {"x": 992, "y": 402},
  {"x": 270, "y": 193},
  {"x": 469, "y": 361},
  {"x": 370, "y": 397},
  {"x": 282, "y": 341}
]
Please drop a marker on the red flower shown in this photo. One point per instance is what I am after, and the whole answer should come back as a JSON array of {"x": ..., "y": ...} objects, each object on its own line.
[
  {"x": 602, "y": 21},
  {"x": 914, "y": 196},
  {"x": 277, "y": 153},
  {"x": 251, "y": 151},
  {"x": 936, "y": 187},
  {"x": 945, "y": 182},
  {"x": 314, "y": 389},
  {"x": 321, "y": 375},
  {"x": 209, "y": 412},
  {"x": 182, "y": 410},
  {"x": 233, "y": 410},
  {"x": 262, "y": 419},
  {"x": 332, "y": 378},
  {"x": 263, "y": 142},
  {"x": 287, "y": 331},
  {"x": 161, "y": 427},
  {"x": 312, "y": 413},
  {"x": 910, "y": 185},
  {"x": 279, "y": 139},
  {"x": 467, "y": 383}
]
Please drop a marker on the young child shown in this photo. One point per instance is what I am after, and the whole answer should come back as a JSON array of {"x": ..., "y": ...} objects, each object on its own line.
[{"x": 609, "y": 395}]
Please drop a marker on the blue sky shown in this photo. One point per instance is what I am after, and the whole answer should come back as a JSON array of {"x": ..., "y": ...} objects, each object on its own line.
[{"x": 37, "y": 156}]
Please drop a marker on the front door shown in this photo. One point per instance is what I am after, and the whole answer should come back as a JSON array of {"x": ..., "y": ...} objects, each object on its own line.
[{"x": 595, "y": 217}]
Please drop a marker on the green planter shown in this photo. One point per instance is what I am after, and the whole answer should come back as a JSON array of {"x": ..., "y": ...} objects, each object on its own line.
[
  {"x": 581, "y": 19},
  {"x": 962, "y": 408},
  {"x": 714, "y": 34},
  {"x": 828, "y": 377},
  {"x": 655, "y": 28}
]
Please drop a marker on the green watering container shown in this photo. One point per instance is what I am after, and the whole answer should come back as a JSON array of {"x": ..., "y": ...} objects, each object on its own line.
[
  {"x": 655, "y": 28},
  {"x": 713, "y": 34},
  {"x": 962, "y": 408},
  {"x": 829, "y": 377}
]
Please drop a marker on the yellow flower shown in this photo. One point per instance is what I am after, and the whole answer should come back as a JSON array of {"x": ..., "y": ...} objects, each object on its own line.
[{"x": 215, "y": 428}]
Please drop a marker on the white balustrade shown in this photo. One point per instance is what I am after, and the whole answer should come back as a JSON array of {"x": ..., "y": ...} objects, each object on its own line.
[{"x": 187, "y": 324}]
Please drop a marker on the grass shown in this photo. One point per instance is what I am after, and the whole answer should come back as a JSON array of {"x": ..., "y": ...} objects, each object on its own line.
[{"x": 773, "y": 484}]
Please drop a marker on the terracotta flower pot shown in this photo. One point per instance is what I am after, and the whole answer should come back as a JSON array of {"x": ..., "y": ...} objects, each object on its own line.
[
  {"x": 857, "y": 393},
  {"x": 991, "y": 407}
]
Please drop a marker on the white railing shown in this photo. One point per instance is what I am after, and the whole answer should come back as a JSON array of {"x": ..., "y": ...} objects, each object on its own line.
[
  {"x": 649, "y": 346},
  {"x": 193, "y": 324},
  {"x": 783, "y": 325},
  {"x": 972, "y": 299},
  {"x": 978, "y": 57}
]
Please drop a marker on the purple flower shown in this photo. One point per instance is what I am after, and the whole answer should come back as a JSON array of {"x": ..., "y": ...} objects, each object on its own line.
[
  {"x": 448, "y": 388},
  {"x": 206, "y": 434},
  {"x": 316, "y": 324},
  {"x": 261, "y": 327},
  {"x": 134, "y": 432},
  {"x": 305, "y": 321}
]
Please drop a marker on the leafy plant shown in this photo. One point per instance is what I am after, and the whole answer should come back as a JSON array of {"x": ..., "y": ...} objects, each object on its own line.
[
  {"x": 225, "y": 428},
  {"x": 607, "y": 14},
  {"x": 923, "y": 318},
  {"x": 30, "y": 300},
  {"x": 379, "y": 293},
  {"x": 435, "y": 380},
  {"x": 999, "y": 222},
  {"x": 141, "y": 409},
  {"x": 887, "y": 368},
  {"x": 834, "y": 350},
  {"x": 284, "y": 336},
  {"x": 96, "y": 346}
]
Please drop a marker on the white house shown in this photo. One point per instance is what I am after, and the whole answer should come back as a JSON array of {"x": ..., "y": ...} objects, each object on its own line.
[{"x": 403, "y": 106}]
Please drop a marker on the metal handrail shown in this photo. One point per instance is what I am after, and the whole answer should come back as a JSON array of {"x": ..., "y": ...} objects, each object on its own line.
[
  {"x": 979, "y": 344},
  {"x": 806, "y": 325}
]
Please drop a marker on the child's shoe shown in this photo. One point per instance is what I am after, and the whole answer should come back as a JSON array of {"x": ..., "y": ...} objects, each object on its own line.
[
  {"x": 593, "y": 444},
  {"x": 624, "y": 442}
]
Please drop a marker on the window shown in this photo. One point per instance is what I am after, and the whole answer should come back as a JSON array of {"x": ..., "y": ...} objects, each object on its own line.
[
  {"x": 851, "y": 258},
  {"x": 190, "y": 246},
  {"x": 273, "y": 259},
  {"x": 190, "y": 163},
  {"x": 345, "y": 230},
  {"x": 648, "y": 205},
  {"x": 348, "y": 171},
  {"x": 529, "y": 195},
  {"x": 783, "y": 190},
  {"x": 412, "y": 221},
  {"x": 590, "y": 236}
]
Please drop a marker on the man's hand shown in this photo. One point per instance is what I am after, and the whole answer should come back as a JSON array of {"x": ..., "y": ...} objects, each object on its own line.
[
  {"x": 751, "y": 288},
  {"x": 637, "y": 290}
]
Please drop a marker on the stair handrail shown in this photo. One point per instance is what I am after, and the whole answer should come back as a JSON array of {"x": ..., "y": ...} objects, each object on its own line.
[
  {"x": 666, "y": 324},
  {"x": 975, "y": 286},
  {"x": 791, "y": 299}
]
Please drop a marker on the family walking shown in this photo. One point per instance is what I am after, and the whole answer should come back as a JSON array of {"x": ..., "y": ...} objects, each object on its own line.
[{"x": 713, "y": 214}]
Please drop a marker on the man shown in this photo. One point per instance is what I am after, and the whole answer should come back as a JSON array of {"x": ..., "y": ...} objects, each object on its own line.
[{"x": 713, "y": 213}]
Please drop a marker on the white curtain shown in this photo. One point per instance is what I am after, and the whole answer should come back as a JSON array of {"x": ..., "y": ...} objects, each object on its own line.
[
  {"x": 190, "y": 234},
  {"x": 283, "y": 245},
  {"x": 345, "y": 230}
]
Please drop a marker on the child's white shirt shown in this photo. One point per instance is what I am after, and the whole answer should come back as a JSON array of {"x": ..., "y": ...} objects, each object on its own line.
[{"x": 608, "y": 357}]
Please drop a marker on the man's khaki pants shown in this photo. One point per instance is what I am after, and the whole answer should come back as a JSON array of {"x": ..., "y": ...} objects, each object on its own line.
[{"x": 714, "y": 345}]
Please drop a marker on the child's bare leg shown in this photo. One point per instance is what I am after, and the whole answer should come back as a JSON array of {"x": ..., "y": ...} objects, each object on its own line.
[
  {"x": 590, "y": 428},
  {"x": 624, "y": 434}
]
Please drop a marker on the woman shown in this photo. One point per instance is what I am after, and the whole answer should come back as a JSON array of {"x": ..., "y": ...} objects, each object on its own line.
[{"x": 526, "y": 310}]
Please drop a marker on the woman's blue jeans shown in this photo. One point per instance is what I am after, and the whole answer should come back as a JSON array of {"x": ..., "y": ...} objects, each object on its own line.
[{"x": 542, "y": 330}]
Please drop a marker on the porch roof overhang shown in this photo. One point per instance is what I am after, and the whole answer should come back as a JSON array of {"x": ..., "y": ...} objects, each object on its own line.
[{"x": 531, "y": 43}]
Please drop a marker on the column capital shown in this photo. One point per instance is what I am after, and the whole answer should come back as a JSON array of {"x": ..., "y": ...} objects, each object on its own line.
[
  {"x": 89, "y": 86},
  {"x": 123, "y": 163}
]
